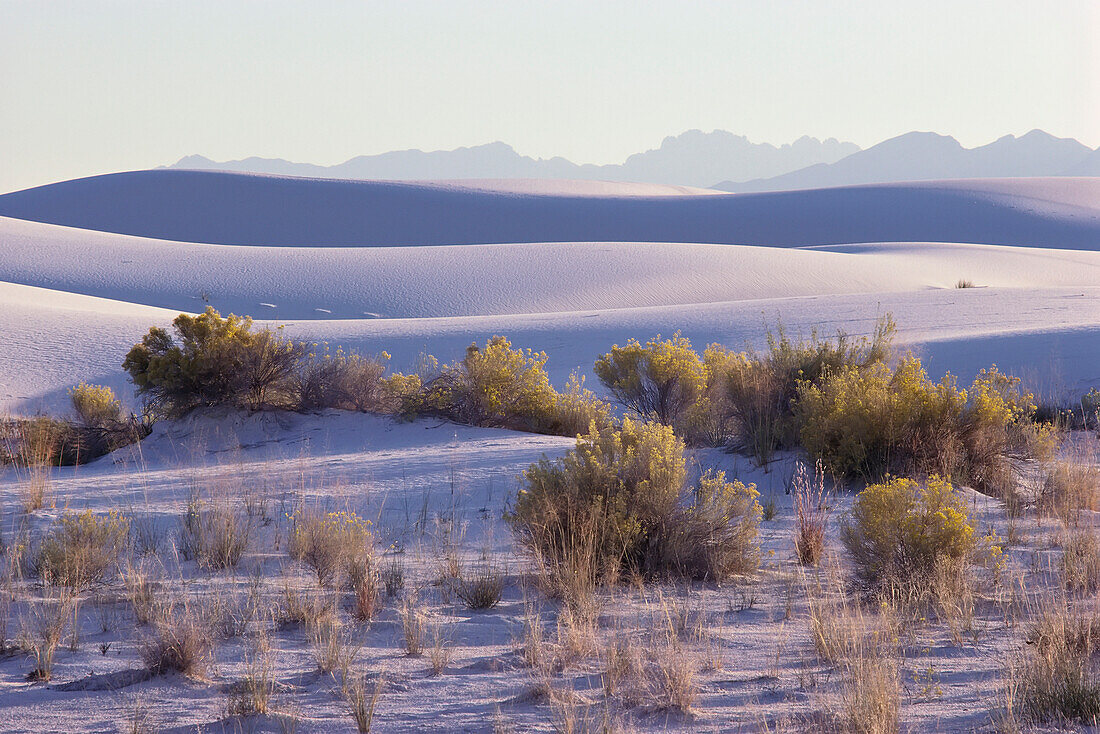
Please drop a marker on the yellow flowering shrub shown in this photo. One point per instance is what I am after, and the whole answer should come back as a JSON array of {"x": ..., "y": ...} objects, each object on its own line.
[
  {"x": 620, "y": 501},
  {"x": 81, "y": 549},
  {"x": 901, "y": 529},
  {"x": 878, "y": 420},
  {"x": 330, "y": 543},
  {"x": 661, "y": 379},
  {"x": 95, "y": 405}
]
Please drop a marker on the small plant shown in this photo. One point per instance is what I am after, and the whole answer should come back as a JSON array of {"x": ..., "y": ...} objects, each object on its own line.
[
  {"x": 363, "y": 579},
  {"x": 1058, "y": 677},
  {"x": 252, "y": 695},
  {"x": 81, "y": 549},
  {"x": 95, "y": 405},
  {"x": 811, "y": 511},
  {"x": 439, "y": 650},
  {"x": 215, "y": 536},
  {"x": 964, "y": 283},
  {"x": 328, "y": 542},
  {"x": 42, "y": 635},
  {"x": 333, "y": 647},
  {"x": 1081, "y": 562},
  {"x": 181, "y": 641},
  {"x": 481, "y": 588},
  {"x": 413, "y": 627},
  {"x": 303, "y": 608},
  {"x": 362, "y": 706},
  {"x": 393, "y": 577}
]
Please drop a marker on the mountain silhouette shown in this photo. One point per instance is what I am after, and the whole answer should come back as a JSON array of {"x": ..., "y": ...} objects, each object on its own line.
[
  {"x": 694, "y": 158},
  {"x": 923, "y": 156}
]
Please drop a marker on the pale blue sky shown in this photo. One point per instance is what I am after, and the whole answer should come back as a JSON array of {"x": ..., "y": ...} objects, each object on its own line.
[{"x": 90, "y": 86}]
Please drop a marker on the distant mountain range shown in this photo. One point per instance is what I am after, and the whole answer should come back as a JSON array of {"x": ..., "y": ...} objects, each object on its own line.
[
  {"x": 928, "y": 156},
  {"x": 694, "y": 158},
  {"x": 702, "y": 159}
]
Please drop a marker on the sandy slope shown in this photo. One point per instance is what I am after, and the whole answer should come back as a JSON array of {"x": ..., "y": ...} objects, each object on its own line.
[
  {"x": 74, "y": 300},
  {"x": 441, "y": 281},
  {"x": 247, "y": 209}
]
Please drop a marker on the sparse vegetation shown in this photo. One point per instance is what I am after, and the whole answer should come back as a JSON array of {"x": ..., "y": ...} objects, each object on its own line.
[
  {"x": 330, "y": 543},
  {"x": 181, "y": 640}
]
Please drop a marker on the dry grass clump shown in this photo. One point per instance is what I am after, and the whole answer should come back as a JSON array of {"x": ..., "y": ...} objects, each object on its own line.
[
  {"x": 479, "y": 588},
  {"x": 1068, "y": 486},
  {"x": 215, "y": 535},
  {"x": 439, "y": 649},
  {"x": 1081, "y": 561},
  {"x": 181, "y": 641},
  {"x": 42, "y": 633},
  {"x": 811, "y": 511},
  {"x": 304, "y": 608},
  {"x": 80, "y": 550},
  {"x": 363, "y": 578},
  {"x": 252, "y": 695},
  {"x": 361, "y": 705},
  {"x": 620, "y": 502},
  {"x": 1058, "y": 676},
  {"x": 413, "y": 626},
  {"x": 872, "y": 697},
  {"x": 334, "y": 646},
  {"x": 346, "y": 382},
  {"x": 329, "y": 542}
]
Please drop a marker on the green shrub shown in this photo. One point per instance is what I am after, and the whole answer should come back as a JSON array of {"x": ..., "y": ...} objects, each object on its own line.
[
  {"x": 901, "y": 530},
  {"x": 620, "y": 501},
  {"x": 81, "y": 549},
  {"x": 660, "y": 380},
  {"x": 217, "y": 361},
  {"x": 753, "y": 394},
  {"x": 871, "y": 422}
]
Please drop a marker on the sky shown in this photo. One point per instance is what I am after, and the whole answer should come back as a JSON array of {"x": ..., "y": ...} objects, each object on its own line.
[{"x": 93, "y": 86}]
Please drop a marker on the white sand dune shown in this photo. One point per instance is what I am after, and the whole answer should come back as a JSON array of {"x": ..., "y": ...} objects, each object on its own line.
[
  {"x": 442, "y": 281},
  {"x": 249, "y": 209},
  {"x": 74, "y": 300},
  {"x": 1051, "y": 336}
]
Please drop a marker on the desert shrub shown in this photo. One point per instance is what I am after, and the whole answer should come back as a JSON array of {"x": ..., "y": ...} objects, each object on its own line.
[
  {"x": 329, "y": 542},
  {"x": 494, "y": 386},
  {"x": 753, "y": 393},
  {"x": 871, "y": 422},
  {"x": 620, "y": 501},
  {"x": 659, "y": 380},
  {"x": 95, "y": 405},
  {"x": 215, "y": 535},
  {"x": 81, "y": 549},
  {"x": 902, "y": 530},
  {"x": 217, "y": 361},
  {"x": 576, "y": 409},
  {"x": 345, "y": 381}
]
